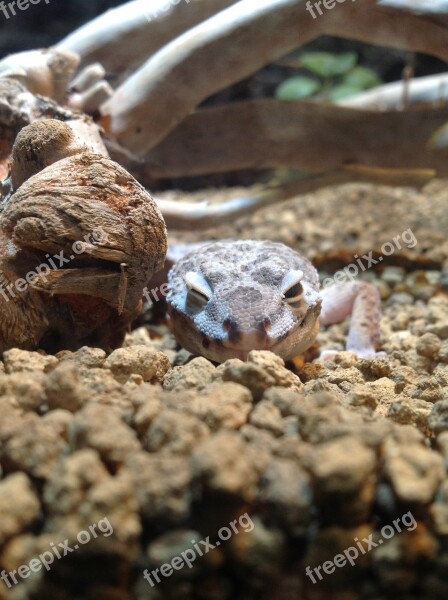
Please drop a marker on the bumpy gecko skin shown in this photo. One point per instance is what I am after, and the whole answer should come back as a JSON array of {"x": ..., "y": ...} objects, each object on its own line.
[
  {"x": 228, "y": 298},
  {"x": 231, "y": 297}
]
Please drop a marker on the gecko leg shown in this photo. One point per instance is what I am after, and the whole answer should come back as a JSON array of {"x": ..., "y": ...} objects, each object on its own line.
[{"x": 362, "y": 301}]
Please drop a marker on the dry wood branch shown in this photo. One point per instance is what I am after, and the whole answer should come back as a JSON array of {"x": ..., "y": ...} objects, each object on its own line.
[
  {"x": 123, "y": 38},
  {"x": 305, "y": 135},
  {"x": 432, "y": 89},
  {"x": 175, "y": 80},
  {"x": 368, "y": 21},
  {"x": 419, "y": 6},
  {"x": 45, "y": 72},
  {"x": 185, "y": 215}
]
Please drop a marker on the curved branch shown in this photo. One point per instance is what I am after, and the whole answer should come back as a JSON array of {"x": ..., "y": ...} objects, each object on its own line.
[
  {"x": 263, "y": 134},
  {"x": 45, "y": 72},
  {"x": 176, "y": 79},
  {"x": 124, "y": 37},
  {"x": 185, "y": 215},
  {"x": 147, "y": 106},
  {"x": 425, "y": 90},
  {"x": 421, "y": 7}
]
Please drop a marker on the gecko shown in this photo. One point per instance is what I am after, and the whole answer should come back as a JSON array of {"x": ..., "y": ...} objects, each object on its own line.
[{"x": 230, "y": 297}]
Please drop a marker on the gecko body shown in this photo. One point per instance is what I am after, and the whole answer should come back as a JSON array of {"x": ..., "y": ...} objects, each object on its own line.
[{"x": 230, "y": 297}]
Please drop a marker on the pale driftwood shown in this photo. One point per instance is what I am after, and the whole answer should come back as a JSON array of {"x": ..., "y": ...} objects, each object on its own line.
[
  {"x": 367, "y": 21},
  {"x": 439, "y": 140},
  {"x": 124, "y": 37},
  {"x": 173, "y": 82},
  {"x": 305, "y": 135},
  {"x": 45, "y": 72},
  {"x": 47, "y": 141},
  {"x": 432, "y": 89},
  {"x": 419, "y": 6},
  {"x": 200, "y": 215},
  {"x": 89, "y": 90}
]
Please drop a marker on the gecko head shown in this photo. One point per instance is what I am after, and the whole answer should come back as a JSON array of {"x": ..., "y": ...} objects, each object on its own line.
[{"x": 229, "y": 298}]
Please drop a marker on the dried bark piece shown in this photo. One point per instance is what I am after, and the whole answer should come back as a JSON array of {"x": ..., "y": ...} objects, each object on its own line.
[
  {"x": 43, "y": 143},
  {"x": 82, "y": 194},
  {"x": 100, "y": 225}
]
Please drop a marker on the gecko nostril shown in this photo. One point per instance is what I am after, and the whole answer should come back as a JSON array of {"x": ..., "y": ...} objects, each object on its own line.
[
  {"x": 264, "y": 324},
  {"x": 229, "y": 325},
  {"x": 232, "y": 329}
]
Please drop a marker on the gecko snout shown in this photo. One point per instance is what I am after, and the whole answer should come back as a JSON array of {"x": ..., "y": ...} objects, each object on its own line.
[{"x": 242, "y": 334}]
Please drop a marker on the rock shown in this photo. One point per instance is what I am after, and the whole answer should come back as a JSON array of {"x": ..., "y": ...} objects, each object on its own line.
[
  {"x": 427, "y": 388},
  {"x": 393, "y": 275},
  {"x": 261, "y": 371},
  {"x": 170, "y": 545},
  {"x": 174, "y": 432},
  {"x": 26, "y": 389},
  {"x": 139, "y": 360},
  {"x": 411, "y": 410},
  {"x": 102, "y": 428},
  {"x": 221, "y": 405},
  {"x": 340, "y": 466},
  {"x": 85, "y": 357},
  {"x": 63, "y": 388},
  {"x": 429, "y": 345},
  {"x": 439, "y": 510},
  {"x": 267, "y": 416},
  {"x": 439, "y": 329},
  {"x": 438, "y": 417},
  {"x": 286, "y": 400},
  {"x": 221, "y": 464},
  {"x": 415, "y": 472},
  {"x": 361, "y": 395},
  {"x": 19, "y": 361},
  {"x": 396, "y": 563},
  {"x": 162, "y": 487},
  {"x": 34, "y": 446},
  {"x": 105, "y": 389},
  {"x": 259, "y": 551},
  {"x": 401, "y": 298},
  {"x": 196, "y": 374},
  {"x": 285, "y": 492},
  {"x": 19, "y": 506}
]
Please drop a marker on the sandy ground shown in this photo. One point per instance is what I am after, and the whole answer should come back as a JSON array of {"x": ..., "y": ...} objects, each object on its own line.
[{"x": 298, "y": 462}]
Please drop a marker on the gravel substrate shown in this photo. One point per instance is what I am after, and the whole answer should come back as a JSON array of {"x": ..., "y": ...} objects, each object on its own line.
[{"x": 299, "y": 462}]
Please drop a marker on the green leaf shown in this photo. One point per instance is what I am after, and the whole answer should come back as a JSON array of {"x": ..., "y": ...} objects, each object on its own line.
[
  {"x": 362, "y": 78},
  {"x": 296, "y": 88},
  {"x": 325, "y": 64},
  {"x": 342, "y": 91}
]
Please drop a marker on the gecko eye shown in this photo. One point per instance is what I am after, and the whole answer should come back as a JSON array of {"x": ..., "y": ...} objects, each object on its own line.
[
  {"x": 292, "y": 289},
  {"x": 199, "y": 291}
]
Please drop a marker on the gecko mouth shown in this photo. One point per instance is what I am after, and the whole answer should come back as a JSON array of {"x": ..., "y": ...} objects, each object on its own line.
[{"x": 238, "y": 344}]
